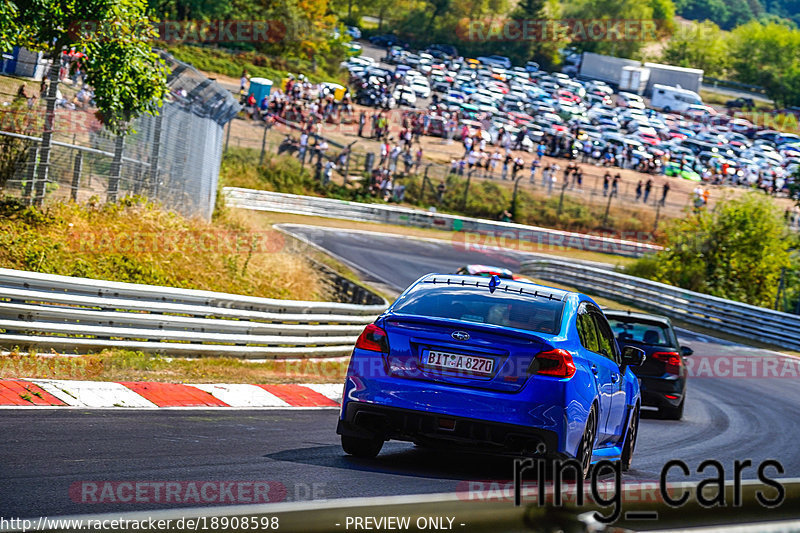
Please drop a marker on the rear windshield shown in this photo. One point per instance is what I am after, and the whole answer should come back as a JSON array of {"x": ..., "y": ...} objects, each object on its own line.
[
  {"x": 473, "y": 304},
  {"x": 652, "y": 333}
]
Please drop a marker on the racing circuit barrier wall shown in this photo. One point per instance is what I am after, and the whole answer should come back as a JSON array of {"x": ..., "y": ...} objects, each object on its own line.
[
  {"x": 78, "y": 315},
  {"x": 749, "y": 321},
  {"x": 539, "y": 238}
]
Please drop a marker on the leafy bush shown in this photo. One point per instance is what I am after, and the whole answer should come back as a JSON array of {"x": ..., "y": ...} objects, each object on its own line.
[{"x": 736, "y": 251}]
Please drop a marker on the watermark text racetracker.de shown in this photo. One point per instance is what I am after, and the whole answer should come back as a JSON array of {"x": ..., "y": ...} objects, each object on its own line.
[
  {"x": 524, "y": 240},
  {"x": 184, "y": 31},
  {"x": 194, "y": 523},
  {"x": 184, "y": 242},
  {"x": 555, "y": 30}
]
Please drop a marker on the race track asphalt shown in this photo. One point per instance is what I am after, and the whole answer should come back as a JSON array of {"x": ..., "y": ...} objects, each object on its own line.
[{"x": 45, "y": 452}]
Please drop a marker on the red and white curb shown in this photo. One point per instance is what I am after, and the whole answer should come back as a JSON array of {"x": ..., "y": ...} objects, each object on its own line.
[{"x": 16, "y": 393}]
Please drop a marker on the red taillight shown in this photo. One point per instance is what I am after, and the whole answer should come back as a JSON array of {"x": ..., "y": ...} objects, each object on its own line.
[
  {"x": 556, "y": 363},
  {"x": 672, "y": 361},
  {"x": 373, "y": 339}
]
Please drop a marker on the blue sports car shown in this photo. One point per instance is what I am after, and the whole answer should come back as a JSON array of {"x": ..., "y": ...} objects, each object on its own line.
[{"x": 497, "y": 365}]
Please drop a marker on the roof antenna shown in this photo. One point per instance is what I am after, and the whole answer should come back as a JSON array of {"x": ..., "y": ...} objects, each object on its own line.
[{"x": 494, "y": 283}]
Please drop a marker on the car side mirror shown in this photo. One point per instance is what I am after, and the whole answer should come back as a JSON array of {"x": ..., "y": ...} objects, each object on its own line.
[
  {"x": 686, "y": 351},
  {"x": 632, "y": 356}
]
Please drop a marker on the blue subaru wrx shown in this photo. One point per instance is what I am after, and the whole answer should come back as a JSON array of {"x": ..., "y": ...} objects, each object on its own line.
[{"x": 495, "y": 365}]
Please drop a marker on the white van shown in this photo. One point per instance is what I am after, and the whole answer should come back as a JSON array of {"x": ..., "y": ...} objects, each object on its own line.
[{"x": 667, "y": 98}]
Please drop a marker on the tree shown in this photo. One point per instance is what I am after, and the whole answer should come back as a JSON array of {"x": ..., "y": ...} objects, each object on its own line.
[
  {"x": 736, "y": 251},
  {"x": 699, "y": 45},
  {"x": 127, "y": 76},
  {"x": 768, "y": 55},
  {"x": 634, "y": 10},
  {"x": 8, "y": 25}
]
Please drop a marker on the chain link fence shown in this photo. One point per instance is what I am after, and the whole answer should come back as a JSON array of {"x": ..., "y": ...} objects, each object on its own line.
[{"x": 172, "y": 158}]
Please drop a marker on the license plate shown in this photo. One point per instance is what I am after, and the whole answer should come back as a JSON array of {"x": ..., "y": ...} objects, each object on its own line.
[{"x": 468, "y": 364}]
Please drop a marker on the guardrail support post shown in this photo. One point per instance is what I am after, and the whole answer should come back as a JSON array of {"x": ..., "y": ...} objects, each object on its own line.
[
  {"x": 608, "y": 206},
  {"x": 263, "y": 144},
  {"x": 154, "y": 156},
  {"x": 466, "y": 190},
  {"x": 116, "y": 170},
  {"x": 30, "y": 173},
  {"x": 76, "y": 175}
]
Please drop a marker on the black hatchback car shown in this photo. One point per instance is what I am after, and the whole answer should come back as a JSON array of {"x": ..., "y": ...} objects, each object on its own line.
[{"x": 663, "y": 374}]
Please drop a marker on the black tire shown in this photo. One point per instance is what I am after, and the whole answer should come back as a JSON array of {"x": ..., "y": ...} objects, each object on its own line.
[
  {"x": 672, "y": 413},
  {"x": 587, "y": 443},
  {"x": 359, "y": 447},
  {"x": 667, "y": 109},
  {"x": 630, "y": 441}
]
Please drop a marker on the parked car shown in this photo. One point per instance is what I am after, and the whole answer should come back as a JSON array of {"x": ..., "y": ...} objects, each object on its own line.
[
  {"x": 495, "y": 365},
  {"x": 663, "y": 374},
  {"x": 354, "y": 32},
  {"x": 738, "y": 103}
]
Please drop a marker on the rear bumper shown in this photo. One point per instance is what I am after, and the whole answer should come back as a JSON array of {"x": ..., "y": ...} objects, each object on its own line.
[
  {"x": 369, "y": 421},
  {"x": 654, "y": 391},
  {"x": 545, "y": 410}
]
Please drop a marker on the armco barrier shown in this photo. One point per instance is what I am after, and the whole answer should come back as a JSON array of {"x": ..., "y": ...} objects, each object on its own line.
[
  {"x": 67, "y": 314},
  {"x": 757, "y": 323},
  {"x": 541, "y": 239}
]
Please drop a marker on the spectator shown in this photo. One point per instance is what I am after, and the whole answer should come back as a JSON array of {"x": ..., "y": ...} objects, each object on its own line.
[
  {"x": 493, "y": 160},
  {"x": 553, "y": 178},
  {"x": 362, "y": 120},
  {"x": 440, "y": 190},
  {"x": 468, "y": 141},
  {"x": 399, "y": 193},
  {"x": 330, "y": 166},
  {"x": 22, "y": 94},
  {"x": 386, "y": 188},
  {"x": 615, "y": 185},
  {"x": 384, "y": 153},
  {"x": 534, "y": 168},
  {"x": 639, "y": 187},
  {"x": 664, "y": 195},
  {"x": 301, "y": 153},
  {"x": 408, "y": 161},
  {"x": 393, "y": 155},
  {"x": 322, "y": 147},
  {"x": 519, "y": 163},
  {"x": 587, "y": 151},
  {"x": 606, "y": 182},
  {"x": 647, "y": 187}
]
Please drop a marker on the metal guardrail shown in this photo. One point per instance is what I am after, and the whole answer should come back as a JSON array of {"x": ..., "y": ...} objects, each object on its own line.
[
  {"x": 78, "y": 315},
  {"x": 543, "y": 238},
  {"x": 757, "y": 323}
]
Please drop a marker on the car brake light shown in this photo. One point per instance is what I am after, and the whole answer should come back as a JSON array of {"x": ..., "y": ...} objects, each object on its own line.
[
  {"x": 556, "y": 363},
  {"x": 672, "y": 361},
  {"x": 373, "y": 339}
]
